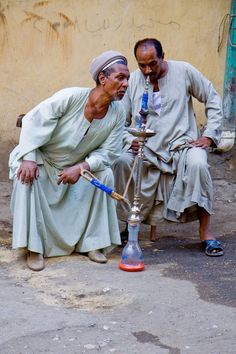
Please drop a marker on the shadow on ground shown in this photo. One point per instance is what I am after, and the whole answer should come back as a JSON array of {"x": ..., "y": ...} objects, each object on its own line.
[{"x": 214, "y": 276}]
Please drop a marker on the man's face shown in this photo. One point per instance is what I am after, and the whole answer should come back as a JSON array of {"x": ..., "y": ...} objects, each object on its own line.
[
  {"x": 149, "y": 63},
  {"x": 116, "y": 83}
]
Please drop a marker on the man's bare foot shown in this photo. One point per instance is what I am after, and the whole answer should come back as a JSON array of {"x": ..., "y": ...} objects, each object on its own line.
[
  {"x": 206, "y": 235},
  {"x": 205, "y": 232}
]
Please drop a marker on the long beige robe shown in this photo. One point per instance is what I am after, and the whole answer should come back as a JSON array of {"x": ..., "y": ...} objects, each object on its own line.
[
  {"x": 175, "y": 175},
  {"x": 58, "y": 219}
]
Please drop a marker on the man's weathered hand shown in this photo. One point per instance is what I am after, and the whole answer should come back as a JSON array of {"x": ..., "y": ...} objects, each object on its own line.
[
  {"x": 28, "y": 172},
  {"x": 202, "y": 142},
  {"x": 135, "y": 146},
  {"x": 72, "y": 174}
]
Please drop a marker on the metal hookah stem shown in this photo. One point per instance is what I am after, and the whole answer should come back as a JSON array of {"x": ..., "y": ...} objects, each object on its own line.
[
  {"x": 139, "y": 173},
  {"x": 144, "y": 112}
]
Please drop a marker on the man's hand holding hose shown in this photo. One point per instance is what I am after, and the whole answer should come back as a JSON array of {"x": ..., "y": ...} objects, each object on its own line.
[{"x": 72, "y": 174}]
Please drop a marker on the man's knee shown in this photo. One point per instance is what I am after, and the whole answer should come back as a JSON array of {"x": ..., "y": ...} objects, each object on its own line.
[
  {"x": 197, "y": 159},
  {"x": 124, "y": 162},
  {"x": 106, "y": 176}
]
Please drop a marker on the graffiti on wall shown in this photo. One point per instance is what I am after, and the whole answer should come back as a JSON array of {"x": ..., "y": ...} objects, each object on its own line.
[{"x": 46, "y": 20}]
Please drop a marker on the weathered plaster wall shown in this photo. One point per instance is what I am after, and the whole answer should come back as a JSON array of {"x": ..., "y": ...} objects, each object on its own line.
[{"x": 48, "y": 45}]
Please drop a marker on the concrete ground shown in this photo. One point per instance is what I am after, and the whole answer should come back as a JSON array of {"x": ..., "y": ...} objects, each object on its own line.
[{"x": 182, "y": 303}]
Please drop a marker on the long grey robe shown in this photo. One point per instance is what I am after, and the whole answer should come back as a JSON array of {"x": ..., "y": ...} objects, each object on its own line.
[
  {"x": 175, "y": 175},
  {"x": 56, "y": 219}
]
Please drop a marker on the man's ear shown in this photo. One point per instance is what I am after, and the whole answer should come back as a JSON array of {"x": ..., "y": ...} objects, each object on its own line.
[{"x": 101, "y": 78}]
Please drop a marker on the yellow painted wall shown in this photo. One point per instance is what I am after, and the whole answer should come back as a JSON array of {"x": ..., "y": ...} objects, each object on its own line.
[{"x": 48, "y": 45}]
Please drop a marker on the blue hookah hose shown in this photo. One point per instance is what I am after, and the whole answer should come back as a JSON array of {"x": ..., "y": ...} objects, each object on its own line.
[
  {"x": 101, "y": 186},
  {"x": 94, "y": 181}
]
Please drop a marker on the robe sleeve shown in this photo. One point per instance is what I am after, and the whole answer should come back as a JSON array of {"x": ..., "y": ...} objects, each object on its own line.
[
  {"x": 202, "y": 89},
  {"x": 31, "y": 156},
  {"x": 110, "y": 149},
  {"x": 38, "y": 125}
]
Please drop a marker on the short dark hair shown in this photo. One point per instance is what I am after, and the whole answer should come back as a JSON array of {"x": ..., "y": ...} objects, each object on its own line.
[
  {"x": 150, "y": 41},
  {"x": 109, "y": 70}
]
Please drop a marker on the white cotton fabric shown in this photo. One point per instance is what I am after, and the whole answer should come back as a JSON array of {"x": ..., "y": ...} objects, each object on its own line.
[
  {"x": 175, "y": 174},
  {"x": 57, "y": 219}
]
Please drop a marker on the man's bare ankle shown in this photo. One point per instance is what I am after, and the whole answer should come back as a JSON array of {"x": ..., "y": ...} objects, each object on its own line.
[{"x": 153, "y": 233}]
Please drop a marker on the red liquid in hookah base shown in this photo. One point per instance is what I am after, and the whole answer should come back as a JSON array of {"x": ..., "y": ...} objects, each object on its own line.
[{"x": 132, "y": 268}]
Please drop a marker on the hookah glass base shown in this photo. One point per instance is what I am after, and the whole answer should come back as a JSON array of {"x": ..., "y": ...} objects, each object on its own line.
[{"x": 132, "y": 257}]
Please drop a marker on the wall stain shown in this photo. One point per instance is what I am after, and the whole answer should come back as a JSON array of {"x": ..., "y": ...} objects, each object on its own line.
[
  {"x": 54, "y": 28},
  {"x": 68, "y": 22},
  {"x": 33, "y": 18},
  {"x": 56, "y": 36},
  {"x": 41, "y": 4},
  {"x": 3, "y": 29},
  {"x": 3, "y": 19},
  {"x": 57, "y": 31}
]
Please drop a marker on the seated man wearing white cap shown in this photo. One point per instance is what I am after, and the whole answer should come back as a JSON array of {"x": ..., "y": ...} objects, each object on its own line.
[{"x": 55, "y": 210}]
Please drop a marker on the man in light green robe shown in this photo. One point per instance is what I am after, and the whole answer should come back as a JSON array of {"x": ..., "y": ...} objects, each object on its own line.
[
  {"x": 55, "y": 211},
  {"x": 175, "y": 169}
]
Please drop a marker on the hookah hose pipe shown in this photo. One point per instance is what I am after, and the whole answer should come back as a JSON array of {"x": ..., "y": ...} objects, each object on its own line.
[{"x": 93, "y": 180}]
